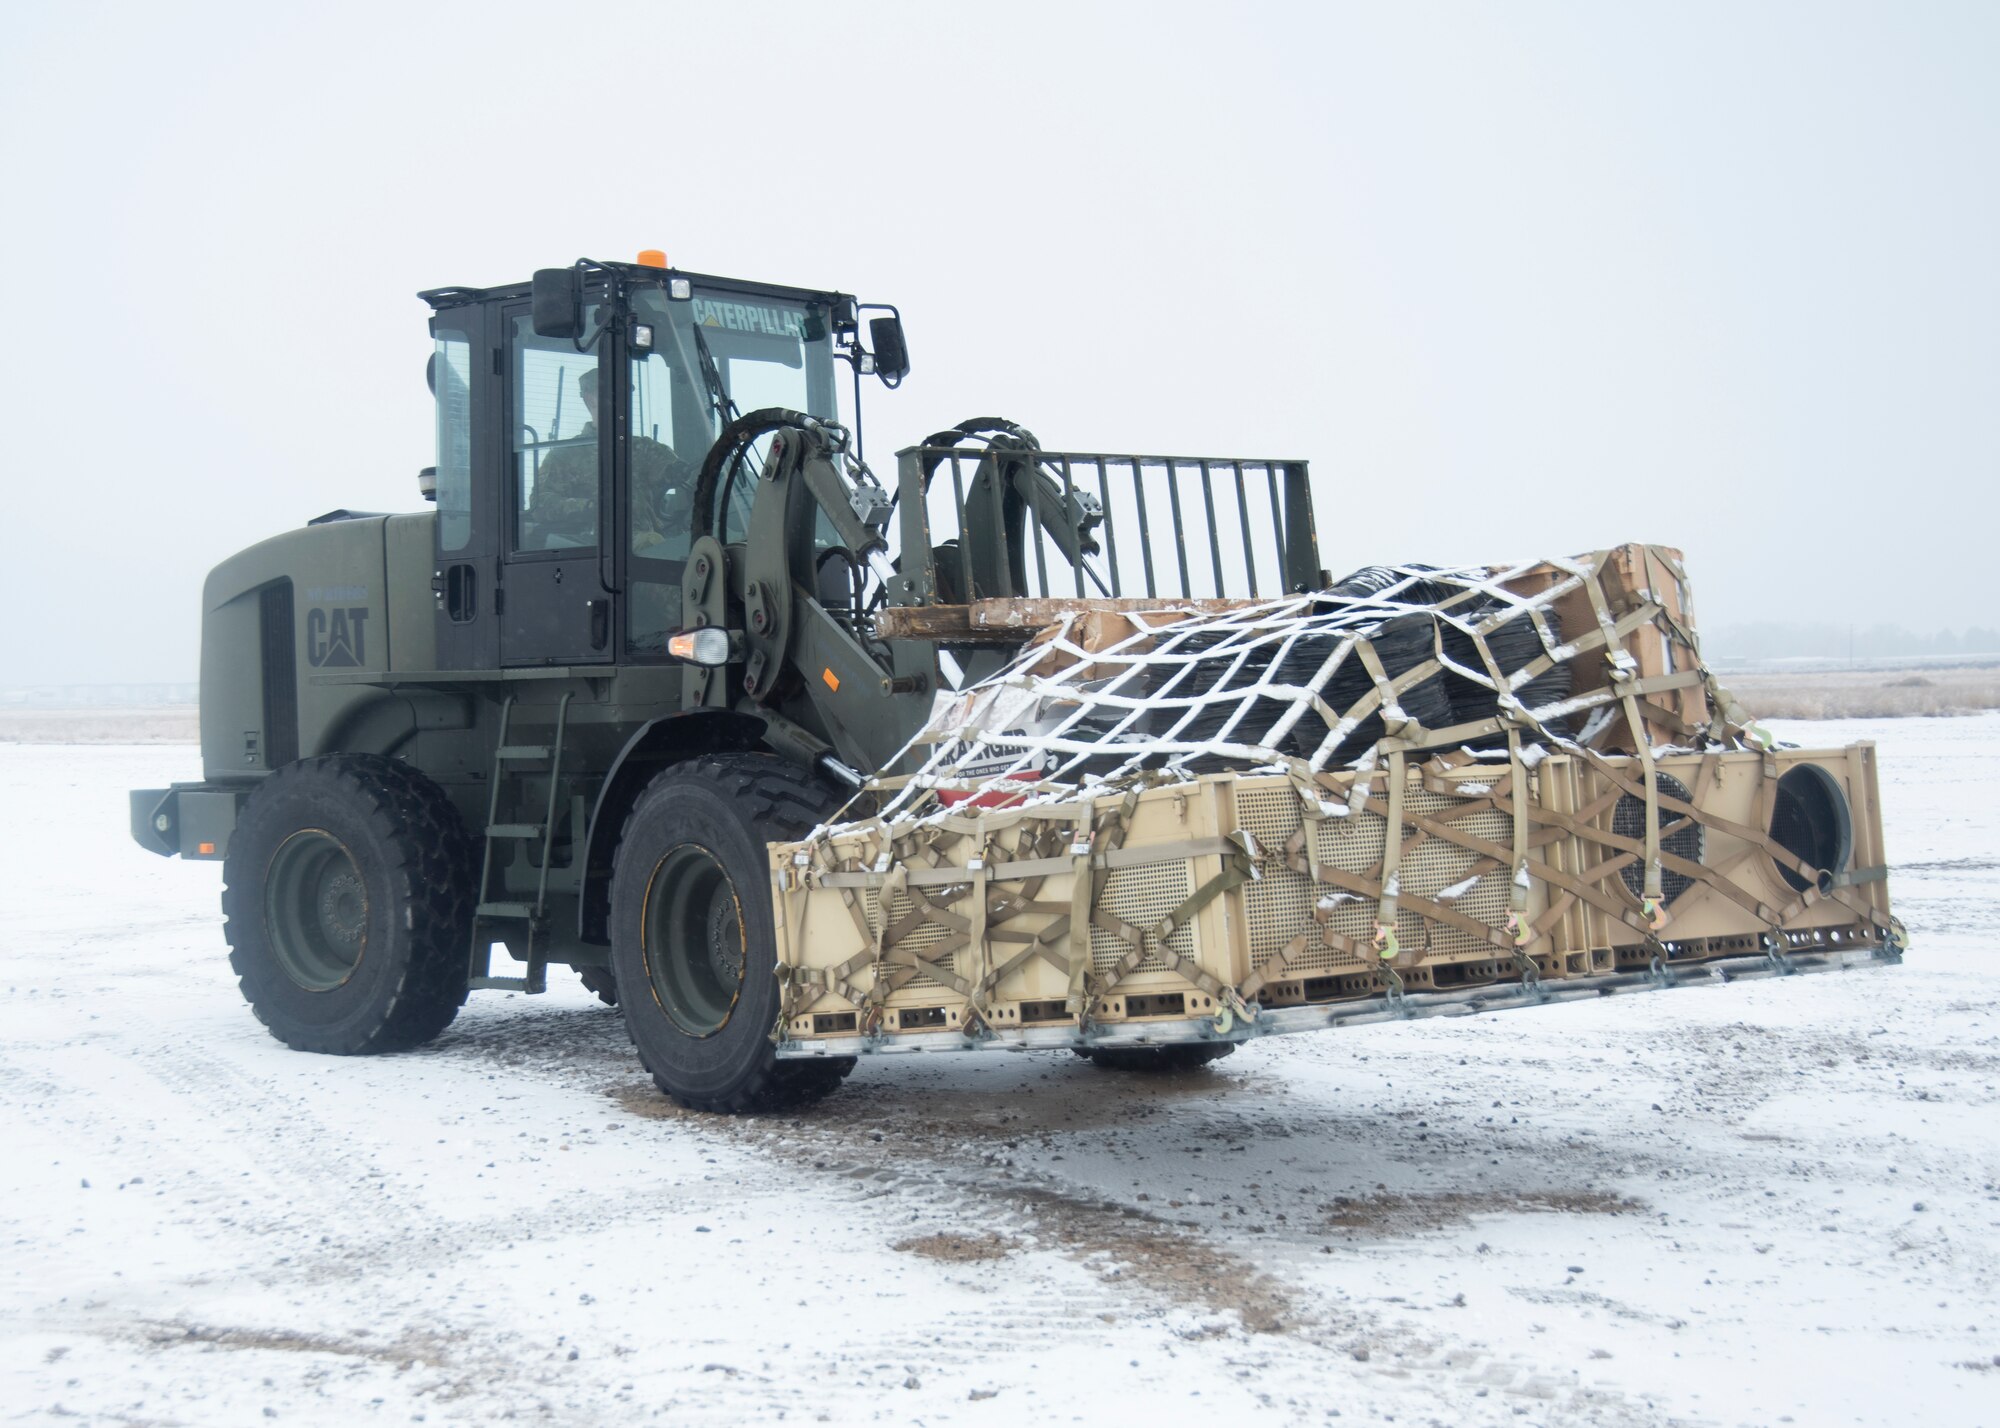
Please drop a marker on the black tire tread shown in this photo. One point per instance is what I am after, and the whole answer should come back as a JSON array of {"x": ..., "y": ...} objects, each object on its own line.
[
  {"x": 437, "y": 868},
  {"x": 1157, "y": 1060},
  {"x": 781, "y": 803}
]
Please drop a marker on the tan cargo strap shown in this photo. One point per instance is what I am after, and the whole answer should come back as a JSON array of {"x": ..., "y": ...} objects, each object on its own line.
[
  {"x": 1237, "y": 869},
  {"x": 1654, "y": 903},
  {"x": 1537, "y": 868},
  {"x": 1111, "y": 831},
  {"x": 1521, "y": 933},
  {"x": 975, "y": 932},
  {"x": 1606, "y": 625},
  {"x": 1082, "y": 896},
  {"x": 1634, "y": 849},
  {"x": 1715, "y": 821},
  {"x": 1023, "y": 869},
  {"x": 1385, "y": 942},
  {"x": 1363, "y": 887}
]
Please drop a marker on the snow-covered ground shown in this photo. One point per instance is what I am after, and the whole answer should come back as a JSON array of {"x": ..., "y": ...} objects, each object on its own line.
[{"x": 1769, "y": 1203}]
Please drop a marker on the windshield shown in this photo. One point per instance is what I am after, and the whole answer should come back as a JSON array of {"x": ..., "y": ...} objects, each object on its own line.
[
  {"x": 745, "y": 351},
  {"x": 734, "y": 353}
]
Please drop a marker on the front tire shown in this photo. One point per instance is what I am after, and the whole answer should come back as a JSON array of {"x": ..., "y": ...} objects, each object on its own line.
[
  {"x": 347, "y": 901},
  {"x": 693, "y": 945}
]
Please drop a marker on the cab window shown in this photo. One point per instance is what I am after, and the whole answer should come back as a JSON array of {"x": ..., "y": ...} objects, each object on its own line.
[
  {"x": 554, "y": 441},
  {"x": 668, "y": 440},
  {"x": 665, "y": 446},
  {"x": 451, "y": 381}
]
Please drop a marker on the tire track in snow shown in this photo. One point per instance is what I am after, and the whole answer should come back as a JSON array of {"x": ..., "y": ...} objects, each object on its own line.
[{"x": 1202, "y": 1285}]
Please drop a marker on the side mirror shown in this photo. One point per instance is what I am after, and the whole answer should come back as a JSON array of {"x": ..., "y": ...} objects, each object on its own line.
[
  {"x": 892, "y": 353},
  {"x": 558, "y": 302}
]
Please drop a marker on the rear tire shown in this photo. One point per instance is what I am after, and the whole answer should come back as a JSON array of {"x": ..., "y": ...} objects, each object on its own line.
[
  {"x": 347, "y": 901},
  {"x": 1158, "y": 1059},
  {"x": 693, "y": 943}
]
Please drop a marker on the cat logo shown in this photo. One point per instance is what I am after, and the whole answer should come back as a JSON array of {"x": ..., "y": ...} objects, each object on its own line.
[{"x": 337, "y": 638}]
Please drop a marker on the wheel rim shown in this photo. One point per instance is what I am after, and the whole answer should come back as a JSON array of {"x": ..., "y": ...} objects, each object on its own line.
[
  {"x": 692, "y": 940},
  {"x": 316, "y": 910}
]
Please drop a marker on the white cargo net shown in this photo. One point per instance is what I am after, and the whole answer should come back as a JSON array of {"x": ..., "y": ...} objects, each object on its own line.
[{"x": 1394, "y": 658}]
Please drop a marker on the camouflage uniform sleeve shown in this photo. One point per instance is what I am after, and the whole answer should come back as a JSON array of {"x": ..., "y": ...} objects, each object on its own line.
[
  {"x": 564, "y": 501},
  {"x": 661, "y": 488}
]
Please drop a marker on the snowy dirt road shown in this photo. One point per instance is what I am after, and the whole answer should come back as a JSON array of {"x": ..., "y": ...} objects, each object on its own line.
[{"x": 1770, "y": 1203}]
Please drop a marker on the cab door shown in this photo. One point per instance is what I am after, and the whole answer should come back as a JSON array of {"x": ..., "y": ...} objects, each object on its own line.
[
  {"x": 555, "y": 606},
  {"x": 465, "y": 584}
]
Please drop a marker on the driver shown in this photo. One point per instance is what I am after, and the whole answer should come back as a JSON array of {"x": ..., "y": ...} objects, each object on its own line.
[{"x": 564, "y": 503}]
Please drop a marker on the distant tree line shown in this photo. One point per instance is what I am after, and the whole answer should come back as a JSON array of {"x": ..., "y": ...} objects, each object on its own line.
[{"x": 1771, "y": 640}]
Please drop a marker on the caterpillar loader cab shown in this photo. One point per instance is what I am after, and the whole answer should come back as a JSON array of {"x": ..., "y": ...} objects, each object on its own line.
[
  {"x": 661, "y": 615},
  {"x": 568, "y": 451}
]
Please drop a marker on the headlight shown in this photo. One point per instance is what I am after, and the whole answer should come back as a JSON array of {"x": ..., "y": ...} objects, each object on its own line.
[{"x": 706, "y": 646}]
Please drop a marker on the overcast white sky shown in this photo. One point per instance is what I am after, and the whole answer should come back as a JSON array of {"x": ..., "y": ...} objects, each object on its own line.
[{"x": 1516, "y": 279}]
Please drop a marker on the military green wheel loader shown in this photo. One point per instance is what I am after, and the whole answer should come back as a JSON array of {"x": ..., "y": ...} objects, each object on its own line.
[
  {"x": 635, "y": 641},
  {"x": 597, "y": 707}
]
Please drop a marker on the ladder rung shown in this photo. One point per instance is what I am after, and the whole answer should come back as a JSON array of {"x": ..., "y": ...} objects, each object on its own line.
[
  {"x": 499, "y": 984},
  {"x": 514, "y": 830},
  {"x": 519, "y": 910},
  {"x": 521, "y": 751}
]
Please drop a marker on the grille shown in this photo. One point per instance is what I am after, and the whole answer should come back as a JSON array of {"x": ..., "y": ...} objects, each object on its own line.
[
  {"x": 920, "y": 941},
  {"x": 278, "y": 634},
  {"x": 1628, "y": 820},
  {"x": 1142, "y": 896},
  {"x": 1280, "y": 904}
]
